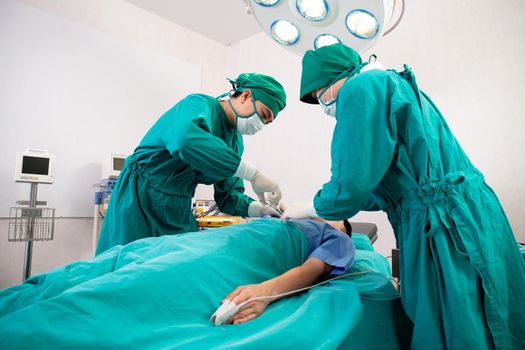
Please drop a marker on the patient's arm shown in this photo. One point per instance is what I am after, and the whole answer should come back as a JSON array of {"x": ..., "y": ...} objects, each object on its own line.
[{"x": 298, "y": 277}]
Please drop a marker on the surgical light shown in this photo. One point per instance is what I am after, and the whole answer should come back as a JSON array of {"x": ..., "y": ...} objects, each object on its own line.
[
  {"x": 324, "y": 40},
  {"x": 301, "y": 25},
  {"x": 284, "y": 32},
  {"x": 312, "y": 10},
  {"x": 362, "y": 24},
  {"x": 266, "y": 3}
]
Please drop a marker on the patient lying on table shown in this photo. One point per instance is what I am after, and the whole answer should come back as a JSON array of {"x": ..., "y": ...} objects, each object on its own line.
[
  {"x": 330, "y": 253},
  {"x": 159, "y": 292}
]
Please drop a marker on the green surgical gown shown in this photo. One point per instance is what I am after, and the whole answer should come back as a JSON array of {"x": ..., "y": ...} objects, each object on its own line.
[
  {"x": 462, "y": 277},
  {"x": 192, "y": 143}
]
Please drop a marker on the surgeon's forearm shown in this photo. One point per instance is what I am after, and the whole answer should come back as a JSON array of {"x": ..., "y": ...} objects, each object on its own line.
[
  {"x": 230, "y": 197},
  {"x": 299, "y": 277}
]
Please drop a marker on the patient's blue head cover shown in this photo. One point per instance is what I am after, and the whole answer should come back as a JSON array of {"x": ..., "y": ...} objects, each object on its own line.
[{"x": 328, "y": 244}]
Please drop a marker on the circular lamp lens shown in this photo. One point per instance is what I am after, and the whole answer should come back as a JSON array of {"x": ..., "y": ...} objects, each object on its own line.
[
  {"x": 325, "y": 40},
  {"x": 362, "y": 24},
  {"x": 266, "y": 3},
  {"x": 284, "y": 32},
  {"x": 312, "y": 10}
]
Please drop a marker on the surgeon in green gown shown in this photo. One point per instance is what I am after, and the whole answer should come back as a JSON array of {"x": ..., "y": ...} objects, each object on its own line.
[
  {"x": 462, "y": 277},
  {"x": 198, "y": 141}
]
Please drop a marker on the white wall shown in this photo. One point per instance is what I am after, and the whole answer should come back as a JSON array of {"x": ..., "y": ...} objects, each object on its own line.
[
  {"x": 131, "y": 23},
  {"x": 465, "y": 57},
  {"x": 81, "y": 94},
  {"x": 468, "y": 56},
  {"x": 122, "y": 24}
]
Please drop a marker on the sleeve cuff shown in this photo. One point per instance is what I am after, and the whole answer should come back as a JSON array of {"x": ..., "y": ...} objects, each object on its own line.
[
  {"x": 310, "y": 210},
  {"x": 254, "y": 209},
  {"x": 246, "y": 170}
]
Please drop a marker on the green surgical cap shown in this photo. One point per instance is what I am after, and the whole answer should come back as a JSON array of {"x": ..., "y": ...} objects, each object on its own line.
[
  {"x": 322, "y": 66},
  {"x": 264, "y": 88}
]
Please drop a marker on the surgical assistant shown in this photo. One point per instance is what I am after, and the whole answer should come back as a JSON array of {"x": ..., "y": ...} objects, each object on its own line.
[
  {"x": 198, "y": 141},
  {"x": 462, "y": 277}
]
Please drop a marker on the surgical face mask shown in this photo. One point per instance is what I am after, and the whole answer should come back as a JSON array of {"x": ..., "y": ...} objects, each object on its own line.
[
  {"x": 329, "y": 108},
  {"x": 248, "y": 125}
]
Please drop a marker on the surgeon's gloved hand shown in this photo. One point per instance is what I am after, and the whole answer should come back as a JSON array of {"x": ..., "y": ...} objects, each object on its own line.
[
  {"x": 266, "y": 188},
  {"x": 282, "y": 206},
  {"x": 271, "y": 211},
  {"x": 263, "y": 185},
  {"x": 257, "y": 209},
  {"x": 300, "y": 210}
]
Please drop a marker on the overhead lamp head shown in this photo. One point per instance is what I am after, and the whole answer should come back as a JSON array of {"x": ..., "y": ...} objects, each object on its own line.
[
  {"x": 312, "y": 10},
  {"x": 284, "y": 32},
  {"x": 325, "y": 40},
  {"x": 300, "y": 25},
  {"x": 362, "y": 24}
]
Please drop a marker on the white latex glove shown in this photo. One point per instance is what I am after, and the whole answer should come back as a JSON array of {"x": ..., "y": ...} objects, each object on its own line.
[
  {"x": 262, "y": 198},
  {"x": 282, "y": 206},
  {"x": 300, "y": 210},
  {"x": 266, "y": 188},
  {"x": 257, "y": 209},
  {"x": 268, "y": 210}
]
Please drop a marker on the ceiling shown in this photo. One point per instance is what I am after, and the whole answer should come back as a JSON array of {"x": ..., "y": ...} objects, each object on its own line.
[{"x": 225, "y": 21}]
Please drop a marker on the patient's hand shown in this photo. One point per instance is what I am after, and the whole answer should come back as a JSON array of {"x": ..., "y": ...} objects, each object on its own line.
[
  {"x": 254, "y": 308},
  {"x": 298, "y": 277}
]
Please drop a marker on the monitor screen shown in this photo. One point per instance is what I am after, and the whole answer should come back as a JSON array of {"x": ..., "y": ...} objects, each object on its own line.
[
  {"x": 118, "y": 163},
  {"x": 35, "y": 165}
]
